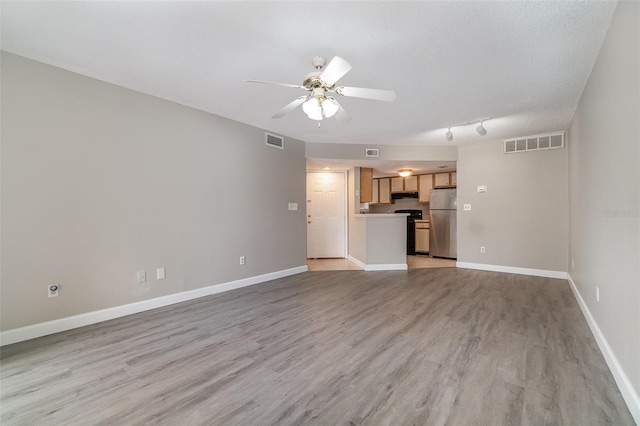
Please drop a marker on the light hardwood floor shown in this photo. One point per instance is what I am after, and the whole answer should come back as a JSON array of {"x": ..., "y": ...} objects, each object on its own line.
[
  {"x": 339, "y": 264},
  {"x": 441, "y": 346}
]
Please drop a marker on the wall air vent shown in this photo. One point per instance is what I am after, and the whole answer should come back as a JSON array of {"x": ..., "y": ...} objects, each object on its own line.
[
  {"x": 274, "y": 140},
  {"x": 372, "y": 152},
  {"x": 534, "y": 143}
]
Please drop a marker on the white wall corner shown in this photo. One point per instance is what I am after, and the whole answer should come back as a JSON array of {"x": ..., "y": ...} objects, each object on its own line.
[
  {"x": 629, "y": 394},
  {"x": 356, "y": 261},
  {"x": 63, "y": 324}
]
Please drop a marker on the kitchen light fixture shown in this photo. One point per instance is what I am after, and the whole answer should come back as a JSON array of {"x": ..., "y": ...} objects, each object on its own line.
[
  {"x": 480, "y": 129},
  {"x": 405, "y": 172}
]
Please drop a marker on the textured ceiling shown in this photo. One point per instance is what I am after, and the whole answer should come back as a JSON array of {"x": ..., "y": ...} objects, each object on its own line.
[{"x": 524, "y": 64}]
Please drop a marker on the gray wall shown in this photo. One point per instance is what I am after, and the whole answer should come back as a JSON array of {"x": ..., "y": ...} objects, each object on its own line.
[
  {"x": 522, "y": 219},
  {"x": 605, "y": 190},
  {"x": 99, "y": 182},
  {"x": 387, "y": 152}
]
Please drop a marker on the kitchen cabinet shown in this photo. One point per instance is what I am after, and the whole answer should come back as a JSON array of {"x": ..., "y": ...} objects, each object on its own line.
[
  {"x": 411, "y": 183},
  {"x": 425, "y": 185},
  {"x": 454, "y": 179},
  {"x": 441, "y": 180},
  {"x": 422, "y": 236},
  {"x": 384, "y": 187},
  {"x": 376, "y": 191},
  {"x": 366, "y": 185},
  {"x": 404, "y": 184},
  {"x": 397, "y": 185}
]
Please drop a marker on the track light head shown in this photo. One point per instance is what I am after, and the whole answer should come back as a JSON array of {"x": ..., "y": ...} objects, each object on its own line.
[
  {"x": 449, "y": 135},
  {"x": 481, "y": 130}
]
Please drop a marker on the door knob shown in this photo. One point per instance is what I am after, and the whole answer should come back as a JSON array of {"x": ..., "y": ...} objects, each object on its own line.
[{"x": 309, "y": 222}]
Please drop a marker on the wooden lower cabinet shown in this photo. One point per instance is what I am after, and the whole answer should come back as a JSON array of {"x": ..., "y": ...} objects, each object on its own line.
[{"x": 422, "y": 236}]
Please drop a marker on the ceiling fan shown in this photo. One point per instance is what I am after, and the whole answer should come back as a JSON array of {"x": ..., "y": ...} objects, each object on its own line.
[{"x": 319, "y": 104}]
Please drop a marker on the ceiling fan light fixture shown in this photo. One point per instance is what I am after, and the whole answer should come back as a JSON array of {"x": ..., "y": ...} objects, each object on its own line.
[
  {"x": 481, "y": 130},
  {"x": 449, "y": 135},
  {"x": 329, "y": 107},
  {"x": 405, "y": 172},
  {"x": 312, "y": 108}
]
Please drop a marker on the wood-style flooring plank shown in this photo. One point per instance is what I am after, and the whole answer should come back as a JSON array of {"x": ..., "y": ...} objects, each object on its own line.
[{"x": 440, "y": 346}]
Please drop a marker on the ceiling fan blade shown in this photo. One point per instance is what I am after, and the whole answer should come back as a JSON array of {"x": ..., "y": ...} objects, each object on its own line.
[
  {"x": 290, "y": 107},
  {"x": 360, "y": 92},
  {"x": 297, "y": 86},
  {"x": 336, "y": 69},
  {"x": 341, "y": 114}
]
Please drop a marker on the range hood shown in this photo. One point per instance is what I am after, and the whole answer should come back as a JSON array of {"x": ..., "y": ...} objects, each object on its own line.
[{"x": 398, "y": 195}]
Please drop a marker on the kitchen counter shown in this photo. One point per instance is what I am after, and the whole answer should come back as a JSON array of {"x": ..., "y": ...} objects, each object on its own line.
[{"x": 378, "y": 241}]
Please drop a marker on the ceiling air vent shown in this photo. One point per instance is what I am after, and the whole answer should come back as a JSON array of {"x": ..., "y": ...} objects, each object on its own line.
[
  {"x": 274, "y": 140},
  {"x": 372, "y": 152},
  {"x": 534, "y": 143}
]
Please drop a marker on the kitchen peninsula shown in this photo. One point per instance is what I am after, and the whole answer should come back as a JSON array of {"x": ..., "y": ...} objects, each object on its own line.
[{"x": 379, "y": 241}]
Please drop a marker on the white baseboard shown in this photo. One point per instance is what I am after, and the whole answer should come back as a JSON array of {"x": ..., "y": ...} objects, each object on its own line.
[
  {"x": 63, "y": 324},
  {"x": 626, "y": 388},
  {"x": 379, "y": 266},
  {"x": 513, "y": 270},
  {"x": 386, "y": 267},
  {"x": 356, "y": 261}
]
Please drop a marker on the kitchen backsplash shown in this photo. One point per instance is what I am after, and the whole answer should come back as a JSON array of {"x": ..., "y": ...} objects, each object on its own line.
[{"x": 401, "y": 204}]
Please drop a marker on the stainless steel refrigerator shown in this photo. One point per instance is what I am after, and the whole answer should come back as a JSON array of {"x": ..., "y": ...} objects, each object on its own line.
[{"x": 443, "y": 223}]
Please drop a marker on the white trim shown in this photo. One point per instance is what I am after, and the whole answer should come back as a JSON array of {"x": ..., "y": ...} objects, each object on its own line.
[
  {"x": 63, "y": 324},
  {"x": 626, "y": 388},
  {"x": 386, "y": 267},
  {"x": 356, "y": 261},
  {"x": 513, "y": 270},
  {"x": 379, "y": 266}
]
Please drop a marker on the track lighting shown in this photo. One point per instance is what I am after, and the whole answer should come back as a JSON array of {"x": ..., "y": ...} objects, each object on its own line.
[
  {"x": 449, "y": 135},
  {"x": 480, "y": 129}
]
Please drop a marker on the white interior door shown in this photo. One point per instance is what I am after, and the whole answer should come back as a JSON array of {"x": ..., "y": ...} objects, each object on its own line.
[{"x": 326, "y": 215}]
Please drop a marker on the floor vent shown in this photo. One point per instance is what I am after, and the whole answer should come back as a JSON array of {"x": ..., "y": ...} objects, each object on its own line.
[
  {"x": 534, "y": 143},
  {"x": 274, "y": 140},
  {"x": 372, "y": 152}
]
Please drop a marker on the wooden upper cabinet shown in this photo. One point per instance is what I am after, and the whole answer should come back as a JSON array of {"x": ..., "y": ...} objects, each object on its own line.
[
  {"x": 404, "y": 184},
  {"x": 397, "y": 185},
  {"x": 426, "y": 185},
  {"x": 454, "y": 179},
  {"x": 366, "y": 185},
  {"x": 376, "y": 191},
  {"x": 441, "y": 180},
  {"x": 385, "y": 191},
  {"x": 411, "y": 183}
]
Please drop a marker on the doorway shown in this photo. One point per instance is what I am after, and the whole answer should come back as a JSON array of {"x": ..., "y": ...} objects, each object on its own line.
[{"x": 326, "y": 215}]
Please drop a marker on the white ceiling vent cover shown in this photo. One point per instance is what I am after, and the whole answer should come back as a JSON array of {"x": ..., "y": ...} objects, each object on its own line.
[
  {"x": 372, "y": 152},
  {"x": 274, "y": 140},
  {"x": 534, "y": 143}
]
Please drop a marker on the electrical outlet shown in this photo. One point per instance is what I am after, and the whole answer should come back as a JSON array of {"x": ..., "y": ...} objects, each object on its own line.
[
  {"x": 243, "y": 260},
  {"x": 52, "y": 290},
  {"x": 483, "y": 249},
  {"x": 142, "y": 277},
  {"x": 467, "y": 207}
]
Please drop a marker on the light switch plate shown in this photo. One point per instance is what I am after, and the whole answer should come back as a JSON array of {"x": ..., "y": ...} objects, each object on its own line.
[{"x": 161, "y": 273}]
